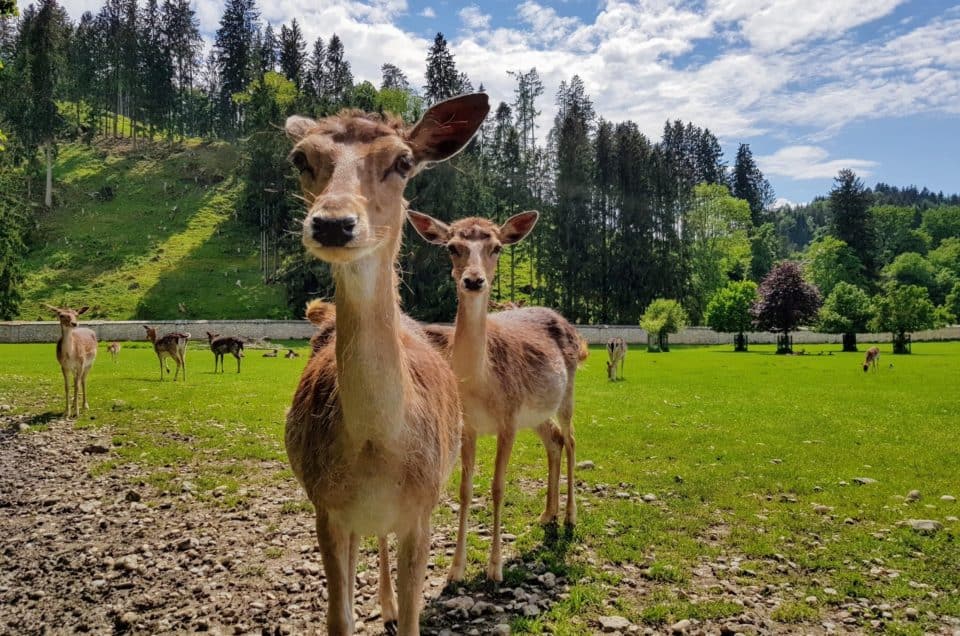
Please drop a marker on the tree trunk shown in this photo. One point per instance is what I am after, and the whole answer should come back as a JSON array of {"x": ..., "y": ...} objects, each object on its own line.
[
  {"x": 740, "y": 342},
  {"x": 784, "y": 343},
  {"x": 901, "y": 343},
  {"x": 849, "y": 342},
  {"x": 48, "y": 193}
]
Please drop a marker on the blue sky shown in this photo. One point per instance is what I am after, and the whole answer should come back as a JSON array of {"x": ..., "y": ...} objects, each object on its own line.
[{"x": 812, "y": 85}]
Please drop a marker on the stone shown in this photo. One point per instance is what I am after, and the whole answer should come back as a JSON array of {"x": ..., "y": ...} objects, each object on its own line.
[
  {"x": 913, "y": 495},
  {"x": 911, "y": 613},
  {"x": 502, "y": 629},
  {"x": 925, "y": 526},
  {"x": 863, "y": 481},
  {"x": 948, "y": 498},
  {"x": 95, "y": 449},
  {"x": 649, "y": 497},
  {"x": 586, "y": 465},
  {"x": 829, "y": 591},
  {"x": 812, "y": 600},
  {"x": 680, "y": 627},
  {"x": 459, "y": 603},
  {"x": 548, "y": 580},
  {"x": 613, "y": 623},
  {"x": 132, "y": 496},
  {"x": 530, "y": 610},
  {"x": 822, "y": 510}
]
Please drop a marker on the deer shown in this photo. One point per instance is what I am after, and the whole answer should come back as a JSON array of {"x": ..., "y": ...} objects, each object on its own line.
[
  {"x": 114, "y": 349},
  {"x": 516, "y": 370},
  {"x": 270, "y": 354},
  {"x": 222, "y": 345},
  {"x": 374, "y": 428},
  {"x": 291, "y": 354},
  {"x": 872, "y": 359},
  {"x": 76, "y": 352},
  {"x": 616, "y": 354},
  {"x": 173, "y": 345}
]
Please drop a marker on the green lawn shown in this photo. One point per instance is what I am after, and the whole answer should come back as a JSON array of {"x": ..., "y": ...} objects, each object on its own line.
[{"x": 739, "y": 449}]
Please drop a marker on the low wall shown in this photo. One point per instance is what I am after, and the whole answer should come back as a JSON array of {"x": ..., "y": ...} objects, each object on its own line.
[{"x": 125, "y": 330}]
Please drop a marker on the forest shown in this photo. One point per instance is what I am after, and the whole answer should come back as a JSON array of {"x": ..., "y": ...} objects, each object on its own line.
[{"x": 625, "y": 219}]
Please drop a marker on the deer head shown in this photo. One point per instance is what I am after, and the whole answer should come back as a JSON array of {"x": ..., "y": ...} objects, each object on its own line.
[
  {"x": 474, "y": 245},
  {"x": 355, "y": 166},
  {"x": 67, "y": 316}
]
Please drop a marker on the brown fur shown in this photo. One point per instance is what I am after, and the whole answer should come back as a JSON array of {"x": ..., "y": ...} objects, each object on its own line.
[
  {"x": 172, "y": 345},
  {"x": 222, "y": 345},
  {"x": 616, "y": 355},
  {"x": 76, "y": 352},
  {"x": 375, "y": 423},
  {"x": 114, "y": 349},
  {"x": 516, "y": 370},
  {"x": 872, "y": 358}
]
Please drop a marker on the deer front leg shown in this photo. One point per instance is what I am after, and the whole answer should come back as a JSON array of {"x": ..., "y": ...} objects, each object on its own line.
[
  {"x": 83, "y": 387},
  {"x": 468, "y": 455},
  {"x": 412, "y": 556},
  {"x": 161, "y": 369},
  {"x": 553, "y": 442},
  {"x": 388, "y": 600},
  {"x": 76, "y": 392},
  {"x": 504, "y": 447},
  {"x": 570, "y": 444},
  {"x": 66, "y": 392},
  {"x": 335, "y": 552}
]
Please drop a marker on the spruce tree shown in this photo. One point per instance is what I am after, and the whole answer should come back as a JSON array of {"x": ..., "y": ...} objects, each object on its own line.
[
  {"x": 851, "y": 223},
  {"x": 293, "y": 53},
  {"x": 316, "y": 65},
  {"x": 393, "y": 78},
  {"x": 181, "y": 35},
  {"x": 338, "y": 79},
  {"x": 443, "y": 80},
  {"x": 749, "y": 184},
  {"x": 233, "y": 47}
]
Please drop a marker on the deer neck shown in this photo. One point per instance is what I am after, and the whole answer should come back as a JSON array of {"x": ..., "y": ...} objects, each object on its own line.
[
  {"x": 469, "y": 352},
  {"x": 371, "y": 369}
]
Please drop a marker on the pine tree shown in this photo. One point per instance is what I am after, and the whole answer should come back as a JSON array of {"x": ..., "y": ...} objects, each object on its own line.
[
  {"x": 338, "y": 79},
  {"x": 852, "y": 224},
  {"x": 268, "y": 51},
  {"x": 393, "y": 78},
  {"x": 316, "y": 65},
  {"x": 181, "y": 35},
  {"x": 293, "y": 53},
  {"x": 156, "y": 67},
  {"x": 443, "y": 80},
  {"x": 749, "y": 184},
  {"x": 233, "y": 48}
]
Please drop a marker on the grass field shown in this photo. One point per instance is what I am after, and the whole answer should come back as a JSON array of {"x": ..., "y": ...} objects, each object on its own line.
[{"x": 753, "y": 459}]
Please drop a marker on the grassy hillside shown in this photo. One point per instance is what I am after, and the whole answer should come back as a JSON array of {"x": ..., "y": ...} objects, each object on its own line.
[{"x": 136, "y": 233}]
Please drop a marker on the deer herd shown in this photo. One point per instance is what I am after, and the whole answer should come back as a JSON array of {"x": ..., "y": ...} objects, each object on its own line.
[{"x": 384, "y": 404}]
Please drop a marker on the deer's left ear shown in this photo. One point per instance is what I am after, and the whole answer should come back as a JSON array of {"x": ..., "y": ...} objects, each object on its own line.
[
  {"x": 448, "y": 127},
  {"x": 297, "y": 127},
  {"x": 82, "y": 310},
  {"x": 518, "y": 226},
  {"x": 432, "y": 230}
]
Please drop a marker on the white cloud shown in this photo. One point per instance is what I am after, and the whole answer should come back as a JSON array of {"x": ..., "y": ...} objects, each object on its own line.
[
  {"x": 428, "y": 12},
  {"x": 810, "y": 162},
  {"x": 473, "y": 18}
]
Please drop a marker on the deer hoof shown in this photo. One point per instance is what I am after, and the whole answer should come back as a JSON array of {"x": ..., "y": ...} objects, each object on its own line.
[
  {"x": 391, "y": 627},
  {"x": 547, "y": 518},
  {"x": 495, "y": 572}
]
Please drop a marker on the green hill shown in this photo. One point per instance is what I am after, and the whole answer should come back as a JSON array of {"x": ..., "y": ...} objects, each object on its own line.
[{"x": 137, "y": 234}]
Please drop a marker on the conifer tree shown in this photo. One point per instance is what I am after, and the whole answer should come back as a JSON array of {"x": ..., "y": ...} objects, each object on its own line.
[
  {"x": 293, "y": 53},
  {"x": 749, "y": 184},
  {"x": 338, "y": 79},
  {"x": 850, "y": 204},
  {"x": 233, "y": 49},
  {"x": 443, "y": 80}
]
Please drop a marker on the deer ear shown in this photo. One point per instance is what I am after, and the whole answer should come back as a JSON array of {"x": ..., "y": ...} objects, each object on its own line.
[
  {"x": 147, "y": 327},
  {"x": 82, "y": 310},
  {"x": 297, "y": 127},
  {"x": 516, "y": 228},
  {"x": 52, "y": 308},
  {"x": 432, "y": 230},
  {"x": 448, "y": 127}
]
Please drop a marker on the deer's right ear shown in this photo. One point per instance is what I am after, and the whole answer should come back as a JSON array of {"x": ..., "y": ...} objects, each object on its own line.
[
  {"x": 297, "y": 127},
  {"x": 146, "y": 327},
  {"x": 52, "y": 308},
  {"x": 448, "y": 127},
  {"x": 432, "y": 230}
]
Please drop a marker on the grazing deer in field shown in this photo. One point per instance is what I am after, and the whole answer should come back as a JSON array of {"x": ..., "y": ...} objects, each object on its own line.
[
  {"x": 616, "y": 354},
  {"x": 222, "y": 345},
  {"x": 291, "y": 354},
  {"x": 76, "y": 351},
  {"x": 873, "y": 358},
  {"x": 375, "y": 425},
  {"x": 173, "y": 345},
  {"x": 516, "y": 370},
  {"x": 114, "y": 349},
  {"x": 270, "y": 354}
]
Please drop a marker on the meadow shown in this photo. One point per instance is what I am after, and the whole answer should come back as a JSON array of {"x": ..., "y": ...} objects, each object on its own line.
[{"x": 784, "y": 477}]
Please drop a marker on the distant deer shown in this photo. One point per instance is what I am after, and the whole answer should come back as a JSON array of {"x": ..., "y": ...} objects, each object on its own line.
[
  {"x": 872, "y": 359},
  {"x": 114, "y": 349},
  {"x": 375, "y": 424},
  {"x": 76, "y": 351},
  {"x": 616, "y": 354},
  {"x": 173, "y": 345},
  {"x": 290, "y": 354},
  {"x": 270, "y": 354},
  {"x": 516, "y": 370},
  {"x": 222, "y": 345}
]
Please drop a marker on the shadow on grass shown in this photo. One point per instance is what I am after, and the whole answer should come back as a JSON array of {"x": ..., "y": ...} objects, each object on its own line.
[{"x": 533, "y": 582}]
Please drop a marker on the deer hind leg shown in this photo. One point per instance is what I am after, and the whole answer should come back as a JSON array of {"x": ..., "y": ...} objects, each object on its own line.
[
  {"x": 235, "y": 355},
  {"x": 83, "y": 387},
  {"x": 504, "y": 447},
  {"x": 388, "y": 600},
  {"x": 412, "y": 556},
  {"x": 468, "y": 455},
  {"x": 570, "y": 445},
  {"x": 552, "y": 441},
  {"x": 335, "y": 551},
  {"x": 66, "y": 392}
]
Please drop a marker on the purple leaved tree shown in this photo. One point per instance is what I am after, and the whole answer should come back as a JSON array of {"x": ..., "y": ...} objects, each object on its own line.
[{"x": 786, "y": 302}]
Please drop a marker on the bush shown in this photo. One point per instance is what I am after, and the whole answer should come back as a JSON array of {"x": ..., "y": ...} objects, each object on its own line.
[
  {"x": 847, "y": 310},
  {"x": 904, "y": 309},
  {"x": 729, "y": 309},
  {"x": 663, "y": 317}
]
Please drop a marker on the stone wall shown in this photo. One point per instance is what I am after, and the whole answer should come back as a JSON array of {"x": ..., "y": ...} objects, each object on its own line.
[{"x": 126, "y": 330}]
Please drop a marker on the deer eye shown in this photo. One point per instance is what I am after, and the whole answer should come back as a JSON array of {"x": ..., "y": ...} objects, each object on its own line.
[
  {"x": 299, "y": 159},
  {"x": 453, "y": 250},
  {"x": 403, "y": 165},
  {"x": 497, "y": 249}
]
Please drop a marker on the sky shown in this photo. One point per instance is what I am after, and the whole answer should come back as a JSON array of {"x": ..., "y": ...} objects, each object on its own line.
[{"x": 813, "y": 86}]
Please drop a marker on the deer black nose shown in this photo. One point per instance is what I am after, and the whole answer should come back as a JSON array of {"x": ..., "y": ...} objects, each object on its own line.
[
  {"x": 474, "y": 284},
  {"x": 333, "y": 232}
]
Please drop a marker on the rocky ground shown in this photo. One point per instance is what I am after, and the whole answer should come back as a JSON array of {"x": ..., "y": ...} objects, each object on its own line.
[{"x": 112, "y": 554}]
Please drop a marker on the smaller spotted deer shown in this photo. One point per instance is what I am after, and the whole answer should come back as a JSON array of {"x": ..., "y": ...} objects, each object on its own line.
[
  {"x": 873, "y": 358},
  {"x": 76, "y": 351},
  {"x": 114, "y": 349},
  {"x": 173, "y": 345},
  {"x": 617, "y": 354},
  {"x": 222, "y": 345}
]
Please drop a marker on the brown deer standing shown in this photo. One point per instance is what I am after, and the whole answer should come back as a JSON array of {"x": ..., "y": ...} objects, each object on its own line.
[
  {"x": 173, "y": 345},
  {"x": 873, "y": 358},
  {"x": 222, "y": 345},
  {"x": 616, "y": 354},
  {"x": 76, "y": 351},
  {"x": 114, "y": 349},
  {"x": 375, "y": 424},
  {"x": 516, "y": 370}
]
